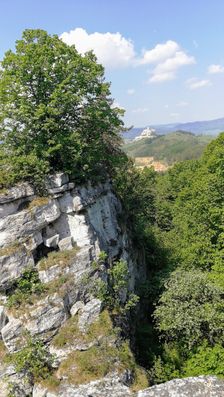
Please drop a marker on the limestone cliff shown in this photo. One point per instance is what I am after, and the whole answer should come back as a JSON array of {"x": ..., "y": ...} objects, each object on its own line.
[
  {"x": 68, "y": 241},
  {"x": 62, "y": 237}
]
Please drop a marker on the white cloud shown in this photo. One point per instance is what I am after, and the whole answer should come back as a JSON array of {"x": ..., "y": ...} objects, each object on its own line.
[
  {"x": 140, "y": 110},
  {"x": 195, "y": 83},
  {"x": 167, "y": 69},
  {"x": 130, "y": 91},
  {"x": 112, "y": 49},
  {"x": 160, "y": 77},
  {"x": 213, "y": 69},
  {"x": 115, "y": 51},
  {"x": 182, "y": 104},
  {"x": 175, "y": 115},
  {"x": 160, "y": 52}
]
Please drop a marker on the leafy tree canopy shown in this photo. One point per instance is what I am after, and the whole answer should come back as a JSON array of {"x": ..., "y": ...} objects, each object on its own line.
[{"x": 55, "y": 111}]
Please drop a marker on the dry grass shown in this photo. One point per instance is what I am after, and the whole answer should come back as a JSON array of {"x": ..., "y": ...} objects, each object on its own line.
[
  {"x": 3, "y": 191},
  {"x": 95, "y": 363},
  {"x": 51, "y": 383},
  {"x": 38, "y": 202},
  {"x": 11, "y": 249},
  {"x": 3, "y": 351},
  {"x": 61, "y": 258},
  {"x": 141, "y": 380},
  {"x": 69, "y": 333},
  {"x": 84, "y": 366}
]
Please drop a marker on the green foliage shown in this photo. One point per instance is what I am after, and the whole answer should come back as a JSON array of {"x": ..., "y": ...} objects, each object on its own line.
[
  {"x": 119, "y": 277},
  {"x": 178, "y": 218},
  {"x": 33, "y": 360},
  {"x": 190, "y": 308},
  {"x": 114, "y": 291},
  {"x": 136, "y": 191},
  {"x": 206, "y": 360},
  {"x": 166, "y": 367},
  {"x": 28, "y": 284},
  {"x": 55, "y": 113},
  {"x": 170, "y": 148},
  {"x": 176, "y": 362},
  {"x": 99, "y": 261}
]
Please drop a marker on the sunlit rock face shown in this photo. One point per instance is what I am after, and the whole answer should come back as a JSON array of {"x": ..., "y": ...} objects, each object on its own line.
[
  {"x": 201, "y": 386},
  {"x": 82, "y": 220}
]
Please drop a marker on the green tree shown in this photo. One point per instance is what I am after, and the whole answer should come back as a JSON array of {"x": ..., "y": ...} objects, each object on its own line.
[
  {"x": 190, "y": 309},
  {"x": 55, "y": 111},
  {"x": 206, "y": 360}
]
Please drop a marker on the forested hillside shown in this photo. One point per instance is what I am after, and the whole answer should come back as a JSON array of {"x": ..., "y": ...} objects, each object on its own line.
[
  {"x": 180, "y": 218},
  {"x": 170, "y": 148}
]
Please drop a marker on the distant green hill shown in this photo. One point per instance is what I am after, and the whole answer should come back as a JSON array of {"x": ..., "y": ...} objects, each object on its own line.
[{"x": 170, "y": 148}]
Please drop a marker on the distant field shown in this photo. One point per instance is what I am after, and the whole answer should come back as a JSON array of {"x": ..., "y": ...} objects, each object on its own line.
[
  {"x": 142, "y": 162},
  {"x": 170, "y": 148}
]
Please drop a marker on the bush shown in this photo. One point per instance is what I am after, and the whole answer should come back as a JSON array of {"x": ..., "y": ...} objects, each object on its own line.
[
  {"x": 114, "y": 292},
  {"x": 33, "y": 360},
  {"x": 207, "y": 360},
  {"x": 27, "y": 285}
]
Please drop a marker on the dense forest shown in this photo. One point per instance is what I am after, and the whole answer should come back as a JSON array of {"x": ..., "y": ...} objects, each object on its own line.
[
  {"x": 178, "y": 217},
  {"x": 56, "y": 114}
]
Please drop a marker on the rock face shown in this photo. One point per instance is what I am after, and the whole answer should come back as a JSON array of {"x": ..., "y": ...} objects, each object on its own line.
[
  {"x": 77, "y": 223},
  {"x": 62, "y": 237},
  {"x": 201, "y": 386}
]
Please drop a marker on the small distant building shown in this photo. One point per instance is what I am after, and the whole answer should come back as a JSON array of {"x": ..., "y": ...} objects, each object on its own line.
[{"x": 146, "y": 133}]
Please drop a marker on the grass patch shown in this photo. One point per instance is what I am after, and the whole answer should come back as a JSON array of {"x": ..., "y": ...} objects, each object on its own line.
[
  {"x": 84, "y": 366},
  {"x": 51, "y": 383},
  {"x": 141, "y": 379},
  {"x": 11, "y": 249},
  {"x": 3, "y": 351},
  {"x": 61, "y": 258},
  {"x": 3, "y": 191},
  {"x": 69, "y": 333},
  {"x": 95, "y": 363},
  {"x": 38, "y": 202}
]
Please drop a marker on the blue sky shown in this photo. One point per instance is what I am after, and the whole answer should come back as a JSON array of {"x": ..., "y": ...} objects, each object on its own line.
[{"x": 165, "y": 59}]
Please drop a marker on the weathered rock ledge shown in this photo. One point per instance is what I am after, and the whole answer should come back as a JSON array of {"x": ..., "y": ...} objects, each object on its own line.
[{"x": 202, "y": 386}]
